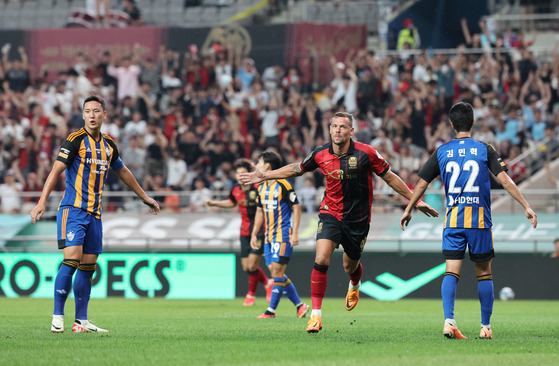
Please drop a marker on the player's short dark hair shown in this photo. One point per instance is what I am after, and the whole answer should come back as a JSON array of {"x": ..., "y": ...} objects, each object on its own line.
[
  {"x": 349, "y": 116},
  {"x": 243, "y": 163},
  {"x": 95, "y": 98},
  {"x": 462, "y": 116},
  {"x": 271, "y": 157}
]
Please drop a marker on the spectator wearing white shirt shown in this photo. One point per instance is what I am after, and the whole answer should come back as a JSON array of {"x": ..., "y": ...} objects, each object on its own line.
[
  {"x": 345, "y": 86},
  {"x": 176, "y": 171},
  {"x": 9, "y": 194},
  {"x": 199, "y": 196},
  {"x": 135, "y": 127}
]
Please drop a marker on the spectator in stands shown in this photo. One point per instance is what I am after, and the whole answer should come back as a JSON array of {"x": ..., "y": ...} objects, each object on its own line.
[
  {"x": 408, "y": 37},
  {"x": 246, "y": 73},
  {"x": 126, "y": 71},
  {"x": 100, "y": 10},
  {"x": 199, "y": 196},
  {"x": 272, "y": 77},
  {"x": 538, "y": 127},
  {"x": 9, "y": 194},
  {"x": 307, "y": 194},
  {"x": 134, "y": 156},
  {"x": 130, "y": 8},
  {"x": 16, "y": 71},
  {"x": 79, "y": 85},
  {"x": 176, "y": 171},
  {"x": 137, "y": 126},
  {"x": 518, "y": 170},
  {"x": 345, "y": 84}
]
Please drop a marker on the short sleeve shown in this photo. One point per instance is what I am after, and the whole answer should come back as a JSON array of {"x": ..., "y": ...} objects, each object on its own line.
[
  {"x": 289, "y": 193},
  {"x": 430, "y": 169},
  {"x": 379, "y": 166},
  {"x": 68, "y": 152},
  {"x": 232, "y": 196},
  {"x": 310, "y": 164},
  {"x": 494, "y": 161}
]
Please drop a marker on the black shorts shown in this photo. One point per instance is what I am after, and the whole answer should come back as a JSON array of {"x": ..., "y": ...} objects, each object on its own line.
[
  {"x": 246, "y": 249},
  {"x": 351, "y": 237}
]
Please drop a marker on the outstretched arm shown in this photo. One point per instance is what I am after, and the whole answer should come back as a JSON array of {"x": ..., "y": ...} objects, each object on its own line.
[
  {"x": 420, "y": 189},
  {"x": 128, "y": 178},
  {"x": 39, "y": 210},
  {"x": 513, "y": 190},
  {"x": 399, "y": 186},
  {"x": 257, "y": 175},
  {"x": 222, "y": 204}
]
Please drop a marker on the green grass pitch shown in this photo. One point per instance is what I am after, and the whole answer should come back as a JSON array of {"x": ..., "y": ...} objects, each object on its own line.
[{"x": 177, "y": 332}]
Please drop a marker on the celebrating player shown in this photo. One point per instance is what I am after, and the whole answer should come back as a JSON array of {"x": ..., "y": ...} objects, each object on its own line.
[
  {"x": 277, "y": 203},
  {"x": 345, "y": 211},
  {"x": 244, "y": 196},
  {"x": 86, "y": 155},
  {"x": 464, "y": 165}
]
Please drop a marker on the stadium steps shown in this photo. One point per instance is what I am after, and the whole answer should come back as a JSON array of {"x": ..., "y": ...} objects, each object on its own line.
[{"x": 540, "y": 203}]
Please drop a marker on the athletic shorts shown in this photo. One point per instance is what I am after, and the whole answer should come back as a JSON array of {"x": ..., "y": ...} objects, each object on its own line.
[
  {"x": 478, "y": 241},
  {"x": 246, "y": 249},
  {"x": 277, "y": 252},
  {"x": 352, "y": 237},
  {"x": 75, "y": 227}
]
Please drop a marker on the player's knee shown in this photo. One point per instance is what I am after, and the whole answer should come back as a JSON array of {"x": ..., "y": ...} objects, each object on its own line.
[
  {"x": 322, "y": 260},
  {"x": 350, "y": 268}
]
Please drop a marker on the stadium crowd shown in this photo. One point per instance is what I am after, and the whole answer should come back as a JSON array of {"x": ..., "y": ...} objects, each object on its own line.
[{"x": 180, "y": 121}]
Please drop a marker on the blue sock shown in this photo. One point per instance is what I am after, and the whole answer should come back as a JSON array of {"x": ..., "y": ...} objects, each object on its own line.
[
  {"x": 63, "y": 284},
  {"x": 448, "y": 293},
  {"x": 486, "y": 296},
  {"x": 291, "y": 292},
  {"x": 277, "y": 291},
  {"x": 82, "y": 289}
]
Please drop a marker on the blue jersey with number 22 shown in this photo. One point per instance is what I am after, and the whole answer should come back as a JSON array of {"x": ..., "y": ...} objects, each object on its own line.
[{"x": 464, "y": 166}]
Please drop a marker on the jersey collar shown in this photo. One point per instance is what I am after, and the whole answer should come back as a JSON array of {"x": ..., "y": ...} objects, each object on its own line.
[{"x": 349, "y": 150}]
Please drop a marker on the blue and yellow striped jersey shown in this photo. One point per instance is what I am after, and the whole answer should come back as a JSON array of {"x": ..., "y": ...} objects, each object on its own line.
[
  {"x": 276, "y": 199},
  {"x": 464, "y": 166},
  {"x": 87, "y": 166}
]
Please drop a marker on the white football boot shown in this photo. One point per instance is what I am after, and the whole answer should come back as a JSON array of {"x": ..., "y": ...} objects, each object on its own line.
[
  {"x": 84, "y": 326},
  {"x": 57, "y": 325}
]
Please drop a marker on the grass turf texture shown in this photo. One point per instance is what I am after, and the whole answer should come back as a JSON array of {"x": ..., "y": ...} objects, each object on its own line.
[{"x": 176, "y": 332}]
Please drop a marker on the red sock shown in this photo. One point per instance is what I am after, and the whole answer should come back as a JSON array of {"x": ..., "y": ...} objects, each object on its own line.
[
  {"x": 355, "y": 277},
  {"x": 261, "y": 276},
  {"x": 252, "y": 282},
  {"x": 319, "y": 280}
]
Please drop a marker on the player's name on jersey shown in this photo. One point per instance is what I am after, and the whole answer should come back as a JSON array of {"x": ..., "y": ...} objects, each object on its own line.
[{"x": 461, "y": 152}]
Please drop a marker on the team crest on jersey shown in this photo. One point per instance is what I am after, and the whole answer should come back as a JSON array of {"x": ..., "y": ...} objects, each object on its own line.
[
  {"x": 353, "y": 162},
  {"x": 252, "y": 195},
  {"x": 70, "y": 235},
  {"x": 276, "y": 193},
  {"x": 108, "y": 151}
]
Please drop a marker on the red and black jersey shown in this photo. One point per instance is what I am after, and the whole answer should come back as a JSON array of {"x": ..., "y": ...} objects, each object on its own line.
[
  {"x": 349, "y": 180},
  {"x": 246, "y": 201}
]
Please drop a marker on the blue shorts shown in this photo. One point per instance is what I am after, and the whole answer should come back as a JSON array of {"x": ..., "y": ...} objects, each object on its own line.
[
  {"x": 277, "y": 252},
  {"x": 75, "y": 226},
  {"x": 479, "y": 242}
]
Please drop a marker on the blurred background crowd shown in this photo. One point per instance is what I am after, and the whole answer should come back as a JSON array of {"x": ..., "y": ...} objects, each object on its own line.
[{"x": 181, "y": 120}]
